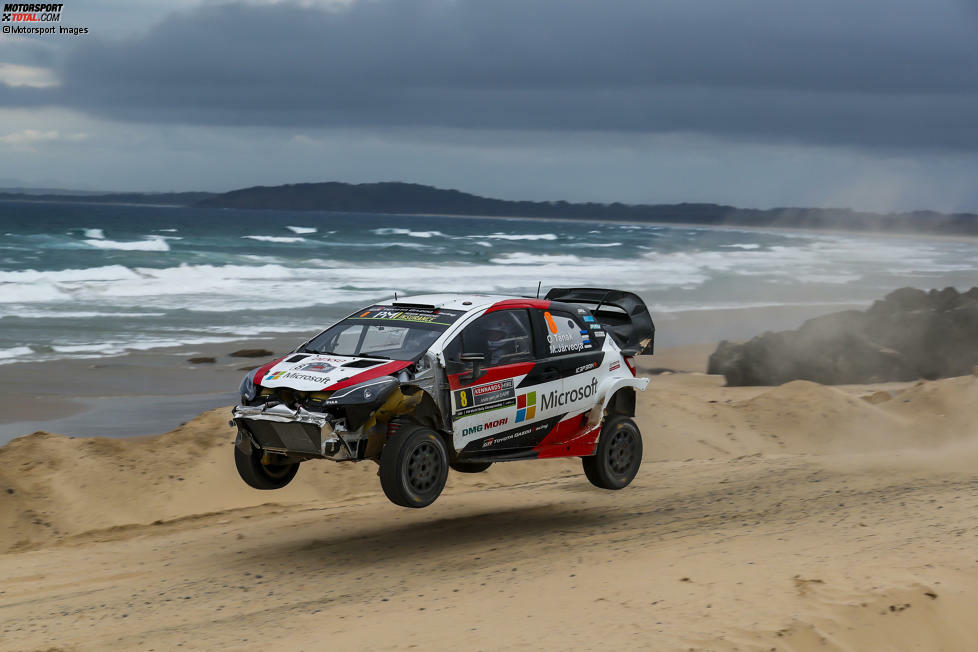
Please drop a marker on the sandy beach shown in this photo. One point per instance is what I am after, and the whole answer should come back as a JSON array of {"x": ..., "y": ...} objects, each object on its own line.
[{"x": 800, "y": 517}]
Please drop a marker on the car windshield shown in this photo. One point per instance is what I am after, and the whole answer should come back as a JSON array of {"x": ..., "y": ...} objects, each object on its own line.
[{"x": 385, "y": 332}]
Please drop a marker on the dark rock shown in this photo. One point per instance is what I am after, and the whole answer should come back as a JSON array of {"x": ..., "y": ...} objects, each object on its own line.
[
  {"x": 909, "y": 334},
  {"x": 252, "y": 353},
  {"x": 204, "y": 359}
]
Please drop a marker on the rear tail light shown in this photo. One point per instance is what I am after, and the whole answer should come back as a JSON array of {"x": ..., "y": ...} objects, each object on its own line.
[{"x": 630, "y": 363}]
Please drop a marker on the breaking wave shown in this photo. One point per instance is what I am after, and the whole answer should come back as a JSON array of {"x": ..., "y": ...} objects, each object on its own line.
[
  {"x": 152, "y": 243},
  {"x": 280, "y": 239}
]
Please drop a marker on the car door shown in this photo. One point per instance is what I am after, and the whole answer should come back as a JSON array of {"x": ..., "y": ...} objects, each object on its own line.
[
  {"x": 493, "y": 410},
  {"x": 568, "y": 370}
]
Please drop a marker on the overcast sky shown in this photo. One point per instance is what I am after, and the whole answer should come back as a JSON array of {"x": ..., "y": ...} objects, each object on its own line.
[{"x": 870, "y": 104}]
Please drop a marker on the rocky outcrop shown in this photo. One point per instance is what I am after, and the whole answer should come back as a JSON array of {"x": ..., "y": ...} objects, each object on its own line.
[{"x": 908, "y": 335}]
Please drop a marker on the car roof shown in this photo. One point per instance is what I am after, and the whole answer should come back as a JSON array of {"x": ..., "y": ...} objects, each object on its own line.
[{"x": 463, "y": 302}]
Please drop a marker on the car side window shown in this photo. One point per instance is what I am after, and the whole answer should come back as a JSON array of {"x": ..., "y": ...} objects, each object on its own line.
[
  {"x": 565, "y": 334},
  {"x": 502, "y": 337}
]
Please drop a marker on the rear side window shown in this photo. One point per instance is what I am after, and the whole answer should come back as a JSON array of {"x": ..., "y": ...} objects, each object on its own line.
[{"x": 565, "y": 334}]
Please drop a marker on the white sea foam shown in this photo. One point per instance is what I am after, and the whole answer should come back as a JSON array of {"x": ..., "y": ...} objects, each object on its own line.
[
  {"x": 96, "y": 234},
  {"x": 281, "y": 239},
  {"x": 408, "y": 232},
  {"x": 742, "y": 246},
  {"x": 69, "y": 314},
  {"x": 594, "y": 244},
  {"x": 301, "y": 230},
  {"x": 522, "y": 258},
  {"x": 516, "y": 236},
  {"x": 15, "y": 352},
  {"x": 167, "y": 230},
  {"x": 152, "y": 243}
]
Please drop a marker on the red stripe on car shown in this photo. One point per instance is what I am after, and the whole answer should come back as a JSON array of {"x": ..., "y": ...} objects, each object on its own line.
[
  {"x": 569, "y": 438},
  {"x": 510, "y": 304},
  {"x": 376, "y": 372},
  {"x": 262, "y": 370},
  {"x": 495, "y": 373}
]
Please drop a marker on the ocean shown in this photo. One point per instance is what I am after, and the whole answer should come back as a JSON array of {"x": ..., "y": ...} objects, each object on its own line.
[{"x": 88, "y": 281}]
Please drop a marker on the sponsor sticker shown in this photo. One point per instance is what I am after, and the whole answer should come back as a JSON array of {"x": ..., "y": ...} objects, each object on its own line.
[
  {"x": 482, "y": 398},
  {"x": 586, "y": 367},
  {"x": 557, "y": 399},
  {"x": 588, "y": 318},
  {"x": 614, "y": 365},
  {"x": 293, "y": 375},
  {"x": 482, "y": 427},
  {"x": 418, "y": 316},
  {"x": 317, "y": 367},
  {"x": 526, "y": 406}
]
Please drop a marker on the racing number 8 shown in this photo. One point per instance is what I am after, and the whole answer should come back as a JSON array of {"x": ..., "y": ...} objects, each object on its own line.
[{"x": 463, "y": 398}]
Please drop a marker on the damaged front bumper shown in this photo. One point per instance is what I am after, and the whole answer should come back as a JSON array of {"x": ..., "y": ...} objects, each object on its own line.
[{"x": 297, "y": 433}]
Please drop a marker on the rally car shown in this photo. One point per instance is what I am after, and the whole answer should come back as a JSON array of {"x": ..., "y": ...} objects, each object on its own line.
[{"x": 427, "y": 383}]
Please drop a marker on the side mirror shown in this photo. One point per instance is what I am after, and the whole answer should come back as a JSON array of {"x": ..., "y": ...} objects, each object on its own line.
[{"x": 475, "y": 360}]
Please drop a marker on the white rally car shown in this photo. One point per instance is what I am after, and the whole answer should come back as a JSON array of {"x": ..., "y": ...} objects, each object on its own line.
[{"x": 428, "y": 383}]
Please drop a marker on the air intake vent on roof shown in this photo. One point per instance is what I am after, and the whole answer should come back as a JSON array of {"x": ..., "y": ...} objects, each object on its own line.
[{"x": 418, "y": 306}]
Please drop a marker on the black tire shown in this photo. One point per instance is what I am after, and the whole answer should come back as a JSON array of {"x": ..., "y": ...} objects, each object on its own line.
[
  {"x": 471, "y": 467},
  {"x": 414, "y": 466},
  {"x": 619, "y": 455},
  {"x": 263, "y": 476}
]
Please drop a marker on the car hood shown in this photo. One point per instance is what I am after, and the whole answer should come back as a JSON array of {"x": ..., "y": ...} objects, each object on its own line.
[{"x": 314, "y": 373}]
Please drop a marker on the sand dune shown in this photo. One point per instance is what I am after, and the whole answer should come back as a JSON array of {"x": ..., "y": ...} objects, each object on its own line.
[{"x": 797, "y": 517}]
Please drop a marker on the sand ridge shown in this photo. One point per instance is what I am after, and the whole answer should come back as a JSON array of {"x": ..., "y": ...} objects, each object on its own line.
[{"x": 798, "y": 517}]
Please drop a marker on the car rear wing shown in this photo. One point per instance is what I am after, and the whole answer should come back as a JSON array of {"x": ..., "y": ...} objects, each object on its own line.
[{"x": 621, "y": 313}]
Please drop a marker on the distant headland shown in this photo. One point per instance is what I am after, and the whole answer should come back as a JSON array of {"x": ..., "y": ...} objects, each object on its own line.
[{"x": 410, "y": 198}]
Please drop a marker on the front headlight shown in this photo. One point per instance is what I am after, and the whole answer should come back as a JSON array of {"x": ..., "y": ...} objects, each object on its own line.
[
  {"x": 248, "y": 390},
  {"x": 371, "y": 391}
]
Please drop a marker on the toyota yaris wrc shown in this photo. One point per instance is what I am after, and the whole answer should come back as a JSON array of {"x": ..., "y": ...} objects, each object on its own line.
[{"x": 434, "y": 382}]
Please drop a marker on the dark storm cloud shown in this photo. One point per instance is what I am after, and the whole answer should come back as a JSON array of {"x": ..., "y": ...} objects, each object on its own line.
[{"x": 878, "y": 72}]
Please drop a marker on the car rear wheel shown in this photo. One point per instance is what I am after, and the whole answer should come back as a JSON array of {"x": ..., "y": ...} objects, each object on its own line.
[
  {"x": 619, "y": 454},
  {"x": 261, "y": 474},
  {"x": 471, "y": 467},
  {"x": 414, "y": 466}
]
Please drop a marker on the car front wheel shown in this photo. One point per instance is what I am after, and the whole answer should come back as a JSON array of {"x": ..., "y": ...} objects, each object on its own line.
[
  {"x": 414, "y": 466},
  {"x": 619, "y": 454},
  {"x": 261, "y": 472}
]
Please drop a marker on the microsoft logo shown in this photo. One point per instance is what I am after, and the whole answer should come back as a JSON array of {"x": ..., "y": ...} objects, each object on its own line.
[
  {"x": 526, "y": 406},
  {"x": 275, "y": 376}
]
